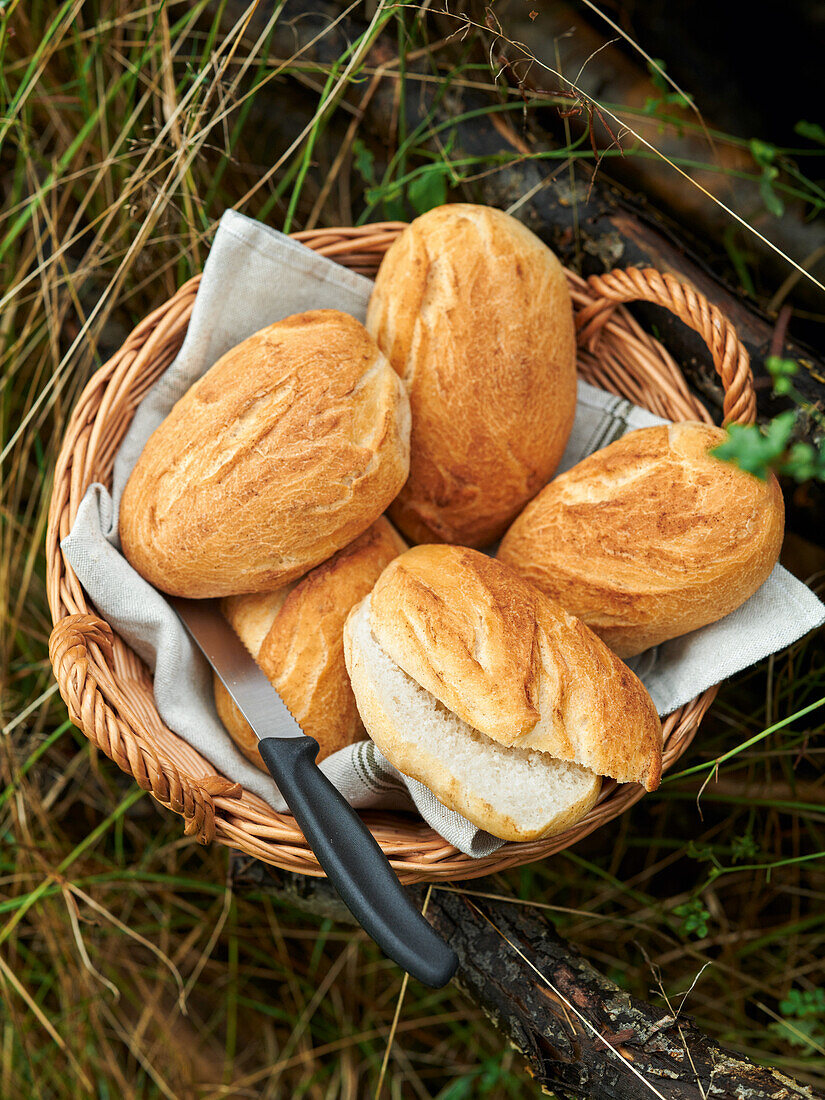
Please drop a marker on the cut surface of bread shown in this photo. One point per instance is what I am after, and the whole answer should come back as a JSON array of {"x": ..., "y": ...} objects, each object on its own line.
[
  {"x": 513, "y": 664},
  {"x": 515, "y": 794}
]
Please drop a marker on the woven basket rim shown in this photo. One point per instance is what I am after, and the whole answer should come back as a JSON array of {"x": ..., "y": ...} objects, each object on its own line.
[{"x": 107, "y": 688}]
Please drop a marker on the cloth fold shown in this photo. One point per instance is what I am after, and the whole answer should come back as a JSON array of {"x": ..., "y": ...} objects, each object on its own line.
[{"x": 253, "y": 277}]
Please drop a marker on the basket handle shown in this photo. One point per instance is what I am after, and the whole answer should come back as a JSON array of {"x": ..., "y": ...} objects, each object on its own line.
[
  {"x": 75, "y": 647},
  {"x": 634, "y": 284}
]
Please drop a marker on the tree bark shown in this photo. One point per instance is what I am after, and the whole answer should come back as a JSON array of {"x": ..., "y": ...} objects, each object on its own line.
[
  {"x": 581, "y": 1035},
  {"x": 611, "y": 72}
]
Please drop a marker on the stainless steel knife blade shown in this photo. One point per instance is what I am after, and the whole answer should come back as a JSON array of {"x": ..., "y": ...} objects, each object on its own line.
[{"x": 258, "y": 700}]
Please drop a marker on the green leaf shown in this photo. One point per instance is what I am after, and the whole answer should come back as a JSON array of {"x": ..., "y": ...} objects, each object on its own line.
[
  {"x": 756, "y": 450},
  {"x": 804, "y": 463},
  {"x": 429, "y": 189},
  {"x": 779, "y": 367},
  {"x": 461, "y": 1088},
  {"x": 656, "y": 78},
  {"x": 695, "y": 918},
  {"x": 699, "y": 851},
  {"x": 394, "y": 209},
  {"x": 761, "y": 152},
  {"x": 744, "y": 847},
  {"x": 778, "y": 431},
  {"x": 364, "y": 161},
  {"x": 782, "y": 371},
  {"x": 669, "y": 96},
  {"x": 800, "y": 1033},
  {"x": 811, "y": 130},
  {"x": 801, "y": 463},
  {"x": 764, "y": 155},
  {"x": 772, "y": 201},
  {"x": 804, "y": 1002}
]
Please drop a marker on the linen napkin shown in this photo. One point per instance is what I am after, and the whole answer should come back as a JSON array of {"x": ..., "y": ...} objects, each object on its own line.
[{"x": 253, "y": 277}]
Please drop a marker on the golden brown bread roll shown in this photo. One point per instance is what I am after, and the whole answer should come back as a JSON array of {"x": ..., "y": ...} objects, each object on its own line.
[
  {"x": 510, "y": 664},
  {"x": 513, "y": 793},
  {"x": 474, "y": 313},
  {"x": 295, "y": 635},
  {"x": 651, "y": 537},
  {"x": 290, "y": 446}
]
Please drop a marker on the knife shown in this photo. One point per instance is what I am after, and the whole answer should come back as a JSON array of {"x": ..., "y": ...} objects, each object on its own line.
[{"x": 343, "y": 845}]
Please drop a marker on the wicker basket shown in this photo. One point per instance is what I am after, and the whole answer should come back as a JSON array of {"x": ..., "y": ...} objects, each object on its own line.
[{"x": 108, "y": 690}]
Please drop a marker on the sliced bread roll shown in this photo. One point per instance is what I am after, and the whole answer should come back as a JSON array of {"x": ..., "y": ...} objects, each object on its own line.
[
  {"x": 651, "y": 537},
  {"x": 515, "y": 794},
  {"x": 508, "y": 708},
  {"x": 296, "y": 636},
  {"x": 513, "y": 664},
  {"x": 289, "y": 447}
]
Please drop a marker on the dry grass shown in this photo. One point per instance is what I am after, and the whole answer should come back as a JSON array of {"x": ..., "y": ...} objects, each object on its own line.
[{"x": 128, "y": 967}]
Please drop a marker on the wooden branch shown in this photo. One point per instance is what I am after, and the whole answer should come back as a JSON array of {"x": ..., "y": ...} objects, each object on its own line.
[{"x": 554, "y": 1007}]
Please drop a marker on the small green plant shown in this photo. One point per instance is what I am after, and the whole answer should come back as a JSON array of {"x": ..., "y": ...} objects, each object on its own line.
[
  {"x": 429, "y": 189},
  {"x": 703, "y": 852},
  {"x": 667, "y": 96},
  {"x": 694, "y": 918},
  {"x": 804, "y": 1002},
  {"x": 765, "y": 155},
  {"x": 810, "y": 130},
  {"x": 804, "y": 1022},
  {"x": 426, "y": 187},
  {"x": 762, "y": 449},
  {"x": 744, "y": 848},
  {"x": 490, "y": 1079},
  {"x": 364, "y": 161}
]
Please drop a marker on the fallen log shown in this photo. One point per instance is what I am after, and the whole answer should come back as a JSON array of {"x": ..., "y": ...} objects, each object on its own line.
[
  {"x": 582, "y": 1035},
  {"x": 580, "y": 45}
]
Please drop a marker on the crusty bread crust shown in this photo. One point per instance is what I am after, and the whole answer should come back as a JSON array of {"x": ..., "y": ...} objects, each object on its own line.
[
  {"x": 651, "y": 537},
  {"x": 399, "y": 744},
  {"x": 296, "y": 638},
  {"x": 289, "y": 447},
  {"x": 513, "y": 664},
  {"x": 464, "y": 628},
  {"x": 474, "y": 313}
]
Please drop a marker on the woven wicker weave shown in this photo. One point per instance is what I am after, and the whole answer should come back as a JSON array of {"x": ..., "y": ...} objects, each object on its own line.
[{"x": 107, "y": 688}]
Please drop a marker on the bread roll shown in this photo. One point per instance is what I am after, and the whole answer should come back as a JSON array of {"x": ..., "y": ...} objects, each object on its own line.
[
  {"x": 289, "y": 447},
  {"x": 515, "y": 794},
  {"x": 295, "y": 635},
  {"x": 508, "y": 708},
  {"x": 651, "y": 537},
  {"x": 474, "y": 313}
]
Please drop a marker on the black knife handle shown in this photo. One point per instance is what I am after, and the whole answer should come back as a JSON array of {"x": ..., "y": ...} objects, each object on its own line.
[{"x": 354, "y": 863}]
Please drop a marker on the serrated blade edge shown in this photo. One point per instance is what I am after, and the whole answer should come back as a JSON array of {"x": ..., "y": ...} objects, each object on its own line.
[{"x": 256, "y": 698}]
